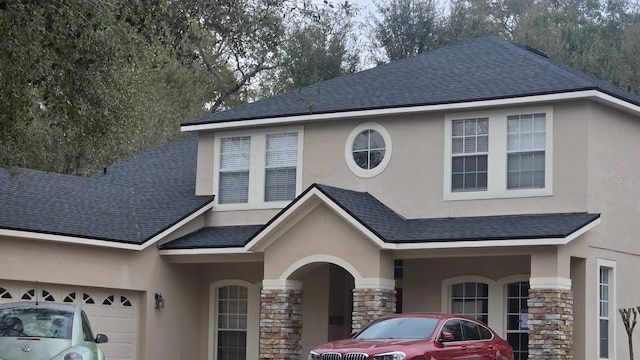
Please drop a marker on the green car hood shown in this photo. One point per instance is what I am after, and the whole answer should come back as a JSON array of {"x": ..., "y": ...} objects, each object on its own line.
[{"x": 12, "y": 348}]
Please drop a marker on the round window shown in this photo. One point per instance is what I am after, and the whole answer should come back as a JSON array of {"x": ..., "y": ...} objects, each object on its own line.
[{"x": 368, "y": 150}]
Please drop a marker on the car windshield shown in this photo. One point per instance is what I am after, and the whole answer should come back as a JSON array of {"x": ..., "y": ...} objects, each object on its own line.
[
  {"x": 36, "y": 322},
  {"x": 400, "y": 328}
]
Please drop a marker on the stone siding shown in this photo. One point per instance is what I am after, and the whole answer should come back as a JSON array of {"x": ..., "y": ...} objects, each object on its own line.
[
  {"x": 370, "y": 304},
  {"x": 280, "y": 324},
  {"x": 550, "y": 324}
]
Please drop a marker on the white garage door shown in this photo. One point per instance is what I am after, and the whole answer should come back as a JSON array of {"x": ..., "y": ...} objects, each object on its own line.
[{"x": 114, "y": 313}]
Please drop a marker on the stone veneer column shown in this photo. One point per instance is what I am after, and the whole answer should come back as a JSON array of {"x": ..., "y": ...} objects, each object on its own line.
[
  {"x": 370, "y": 304},
  {"x": 280, "y": 324},
  {"x": 550, "y": 322}
]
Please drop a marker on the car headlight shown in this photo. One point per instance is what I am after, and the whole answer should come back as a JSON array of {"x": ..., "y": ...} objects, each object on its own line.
[
  {"x": 73, "y": 356},
  {"x": 314, "y": 355},
  {"x": 394, "y": 355},
  {"x": 75, "y": 353}
]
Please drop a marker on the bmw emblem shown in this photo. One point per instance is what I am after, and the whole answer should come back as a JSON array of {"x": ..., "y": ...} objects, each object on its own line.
[{"x": 27, "y": 348}]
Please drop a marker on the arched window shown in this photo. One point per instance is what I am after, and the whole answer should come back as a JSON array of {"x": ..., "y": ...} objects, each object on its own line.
[{"x": 471, "y": 299}]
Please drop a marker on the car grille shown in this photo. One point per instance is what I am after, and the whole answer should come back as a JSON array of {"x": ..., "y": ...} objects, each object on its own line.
[{"x": 347, "y": 356}]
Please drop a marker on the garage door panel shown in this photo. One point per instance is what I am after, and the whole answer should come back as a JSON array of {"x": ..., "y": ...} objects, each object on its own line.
[{"x": 112, "y": 312}]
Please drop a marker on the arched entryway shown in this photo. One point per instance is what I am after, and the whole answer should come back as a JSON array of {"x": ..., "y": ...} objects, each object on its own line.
[{"x": 318, "y": 299}]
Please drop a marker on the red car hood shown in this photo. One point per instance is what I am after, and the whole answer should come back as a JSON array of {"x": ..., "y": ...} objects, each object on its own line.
[{"x": 370, "y": 346}]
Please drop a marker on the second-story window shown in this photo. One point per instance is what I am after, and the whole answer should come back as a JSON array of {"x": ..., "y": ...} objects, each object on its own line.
[
  {"x": 469, "y": 150},
  {"x": 281, "y": 166},
  {"x": 235, "y": 160},
  {"x": 526, "y": 139},
  {"x": 258, "y": 168}
]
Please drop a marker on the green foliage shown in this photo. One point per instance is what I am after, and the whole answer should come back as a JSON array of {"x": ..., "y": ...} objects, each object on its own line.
[
  {"x": 86, "y": 82},
  {"x": 316, "y": 49},
  {"x": 407, "y": 27}
]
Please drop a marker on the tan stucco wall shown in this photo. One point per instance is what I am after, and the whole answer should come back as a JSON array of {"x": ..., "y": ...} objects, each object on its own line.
[
  {"x": 422, "y": 278},
  {"x": 323, "y": 232},
  {"x": 144, "y": 272},
  {"x": 315, "y": 308},
  {"x": 614, "y": 177},
  {"x": 418, "y": 153},
  {"x": 208, "y": 274},
  {"x": 204, "y": 171}
]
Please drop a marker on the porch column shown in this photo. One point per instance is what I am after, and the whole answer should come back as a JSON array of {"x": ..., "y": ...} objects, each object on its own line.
[
  {"x": 281, "y": 320},
  {"x": 550, "y": 303},
  {"x": 372, "y": 298}
]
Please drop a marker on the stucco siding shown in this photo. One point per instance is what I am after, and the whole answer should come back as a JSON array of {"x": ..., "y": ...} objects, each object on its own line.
[
  {"x": 144, "y": 272},
  {"x": 412, "y": 183},
  {"x": 614, "y": 177},
  {"x": 322, "y": 232}
]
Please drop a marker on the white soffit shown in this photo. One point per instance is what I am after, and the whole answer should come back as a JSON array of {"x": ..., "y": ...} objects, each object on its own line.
[{"x": 575, "y": 95}]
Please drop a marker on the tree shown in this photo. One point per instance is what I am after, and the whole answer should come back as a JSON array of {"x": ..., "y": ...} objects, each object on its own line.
[
  {"x": 317, "y": 49},
  {"x": 84, "y": 83},
  {"x": 629, "y": 317},
  {"x": 407, "y": 27}
]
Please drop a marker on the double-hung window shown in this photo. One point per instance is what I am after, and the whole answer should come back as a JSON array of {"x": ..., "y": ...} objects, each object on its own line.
[
  {"x": 526, "y": 137},
  {"x": 469, "y": 150},
  {"x": 501, "y": 153},
  {"x": 281, "y": 167},
  {"x": 235, "y": 160},
  {"x": 258, "y": 169}
]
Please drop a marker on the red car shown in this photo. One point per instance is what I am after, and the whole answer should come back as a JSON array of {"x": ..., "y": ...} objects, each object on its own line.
[{"x": 419, "y": 336}]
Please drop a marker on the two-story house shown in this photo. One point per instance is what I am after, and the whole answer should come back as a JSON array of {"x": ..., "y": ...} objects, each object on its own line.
[{"x": 481, "y": 178}]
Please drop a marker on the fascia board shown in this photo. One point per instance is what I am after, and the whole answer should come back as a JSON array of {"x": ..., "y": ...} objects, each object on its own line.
[
  {"x": 103, "y": 243},
  {"x": 211, "y": 251},
  {"x": 494, "y": 243},
  {"x": 177, "y": 225},
  {"x": 583, "y": 94},
  {"x": 68, "y": 239},
  {"x": 266, "y": 236}
]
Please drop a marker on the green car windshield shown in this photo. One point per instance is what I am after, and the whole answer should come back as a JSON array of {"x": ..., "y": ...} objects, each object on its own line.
[
  {"x": 400, "y": 328},
  {"x": 36, "y": 322}
]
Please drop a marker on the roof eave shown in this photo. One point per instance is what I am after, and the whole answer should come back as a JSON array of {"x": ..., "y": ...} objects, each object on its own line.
[
  {"x": 107, "y": 243},
  {"x": 548, "y": 241},
  {"x": 458, "y": 106}
]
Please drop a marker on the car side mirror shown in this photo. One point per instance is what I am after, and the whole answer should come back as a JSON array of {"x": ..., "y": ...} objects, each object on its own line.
[
  {"x": 101, "y": 339},
  {"x": 447, "y": 336}
]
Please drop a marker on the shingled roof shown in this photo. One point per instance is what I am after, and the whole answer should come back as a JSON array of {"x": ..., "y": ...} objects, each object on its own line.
[
  {"x": 393, "y": 228},
  {"x": 485, "y": 68},
  {"x": 130, "y": 202}
]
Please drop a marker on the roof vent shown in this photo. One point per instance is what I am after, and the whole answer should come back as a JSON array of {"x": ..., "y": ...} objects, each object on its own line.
[{"x": 535, "y": 51}]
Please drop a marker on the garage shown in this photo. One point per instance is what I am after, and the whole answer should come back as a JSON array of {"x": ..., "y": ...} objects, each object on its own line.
[{"x": 112, "y": 312}]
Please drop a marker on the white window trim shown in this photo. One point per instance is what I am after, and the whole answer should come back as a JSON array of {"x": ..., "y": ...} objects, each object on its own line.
[
  {"x": 497, "y": 296},
  {"x": 253, "y": 317},
  {"x": 613, "y": 310},
  {"x": 348, "y": 155},
  {"x": 497, "y": 158},
  {"x": 495, "y": 304},
  {"x": 257, "y": 168}
]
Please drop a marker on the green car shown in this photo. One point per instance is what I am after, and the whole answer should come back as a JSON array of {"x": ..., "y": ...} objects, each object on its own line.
[{"x": 45, "y": 330}]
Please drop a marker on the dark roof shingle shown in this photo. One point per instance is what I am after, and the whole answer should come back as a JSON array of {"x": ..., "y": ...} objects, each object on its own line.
[
  {"x": 131, "y": 202},
  {"x": 485, "y": 68},
  {"x": 393, "y": 228}
]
